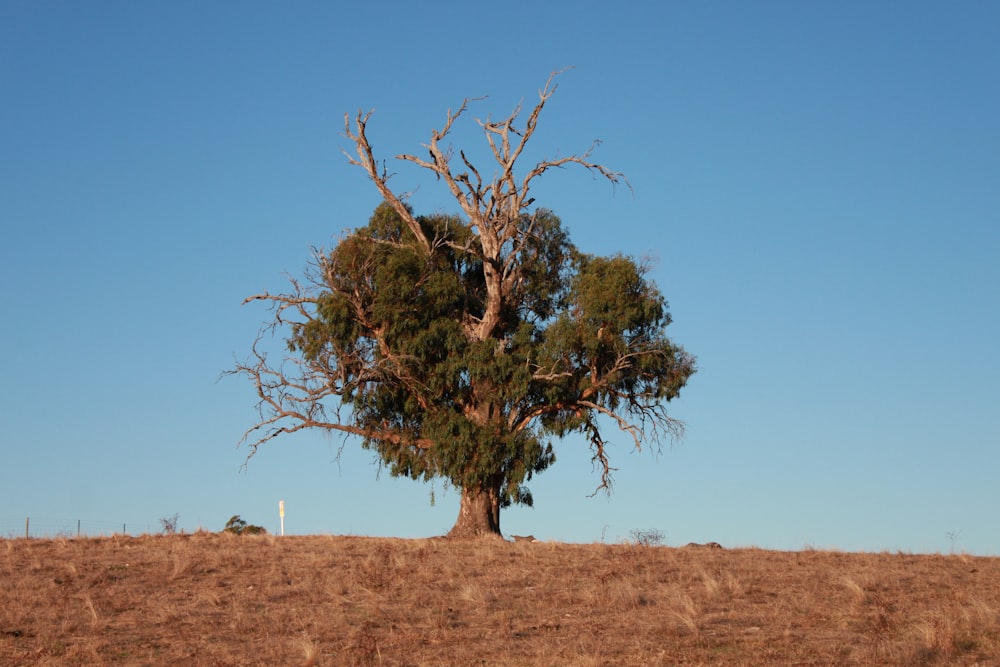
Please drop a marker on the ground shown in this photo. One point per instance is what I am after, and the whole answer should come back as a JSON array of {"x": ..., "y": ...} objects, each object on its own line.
[{"x": 221, "y": 599}]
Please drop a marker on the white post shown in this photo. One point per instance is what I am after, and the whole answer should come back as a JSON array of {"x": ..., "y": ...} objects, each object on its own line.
[{"x": 281, "y": 513}]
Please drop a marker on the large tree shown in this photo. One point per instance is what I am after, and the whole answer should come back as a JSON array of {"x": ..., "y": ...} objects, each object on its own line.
[{"x": 459, "y": 346}]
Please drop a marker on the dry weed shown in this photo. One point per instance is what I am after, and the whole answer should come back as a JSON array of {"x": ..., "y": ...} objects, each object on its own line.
[
  {"x": 685, "y": 611},
  {"x": 733, "y": 585},
  {"x": 309, "y": 649},
  {"x": 712, "y": 585},
  {"x": 88, "y": 604}
]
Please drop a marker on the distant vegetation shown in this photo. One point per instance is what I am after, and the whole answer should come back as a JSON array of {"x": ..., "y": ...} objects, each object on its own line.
[
  {"x": 646, "y": 537},
  {"x": 168, "y": 524},
  {"x": 238, "y": 526}
]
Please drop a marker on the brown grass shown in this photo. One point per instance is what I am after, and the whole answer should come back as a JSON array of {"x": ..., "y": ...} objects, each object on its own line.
[{"x": 219, "y": 599}]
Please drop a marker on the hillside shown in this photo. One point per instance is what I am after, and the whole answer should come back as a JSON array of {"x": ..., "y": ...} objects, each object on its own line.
[{"x": 220, "y": 599}]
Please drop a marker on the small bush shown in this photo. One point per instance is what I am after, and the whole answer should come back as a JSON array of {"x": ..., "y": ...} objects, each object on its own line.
[
  {"x": 168, "y": 524},
  {"x": 649, "y": 537},
  {"x": 238, "y": 526}
]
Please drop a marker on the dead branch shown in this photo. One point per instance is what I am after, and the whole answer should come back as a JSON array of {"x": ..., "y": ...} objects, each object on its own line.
[
  {"x": 288, "y": 406},
  {"x": 493, "y": 207},
  {"x": 366, "y": 160}
]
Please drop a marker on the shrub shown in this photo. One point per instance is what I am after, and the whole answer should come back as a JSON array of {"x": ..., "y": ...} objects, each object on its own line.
[
  {"x": 238, "y": 526},
  {"x": 168, "y": 524},
  {"x": 649, "y": 537}
]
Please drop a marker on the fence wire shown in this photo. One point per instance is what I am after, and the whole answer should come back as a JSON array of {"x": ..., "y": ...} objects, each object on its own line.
[{"x": 48, "y": 527}]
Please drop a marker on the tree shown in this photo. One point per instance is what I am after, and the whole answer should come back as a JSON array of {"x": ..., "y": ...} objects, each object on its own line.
[
  {"x": 458, "y": 346},
  {"x": 237, "y": 526}
]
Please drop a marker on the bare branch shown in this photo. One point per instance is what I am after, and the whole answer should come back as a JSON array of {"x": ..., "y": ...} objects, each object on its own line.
[
  {"x": 600, "y": 458},
  {"x": 289, "y": 405},
  {"x": 623, "y": 424},
  {"x": 469, "y": 197},
  {"x": 366, "y": 160}
]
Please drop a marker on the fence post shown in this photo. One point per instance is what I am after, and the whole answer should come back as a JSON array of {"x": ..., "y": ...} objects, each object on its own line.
[
  {"x": 27, "y": 521},
  {"x": 78, "y": 528}
]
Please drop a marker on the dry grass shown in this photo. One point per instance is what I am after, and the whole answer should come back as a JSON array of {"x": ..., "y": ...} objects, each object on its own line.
[{"x": 218, "y": 599}]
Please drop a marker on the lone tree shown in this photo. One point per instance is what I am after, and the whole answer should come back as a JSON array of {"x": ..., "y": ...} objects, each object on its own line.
[{"x": 458, "y": 346}]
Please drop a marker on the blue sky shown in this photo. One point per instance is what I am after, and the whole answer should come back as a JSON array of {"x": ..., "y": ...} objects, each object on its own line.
[{"x": 818, "y": 182}]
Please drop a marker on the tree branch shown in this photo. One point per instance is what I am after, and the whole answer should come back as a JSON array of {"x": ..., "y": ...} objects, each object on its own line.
[
  {"x": 287, "y": 406},
  {"x": 366, "y": 160}
]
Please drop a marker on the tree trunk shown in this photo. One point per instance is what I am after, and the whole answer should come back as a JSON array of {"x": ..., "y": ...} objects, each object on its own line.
[{"x": 479, "y": 514}]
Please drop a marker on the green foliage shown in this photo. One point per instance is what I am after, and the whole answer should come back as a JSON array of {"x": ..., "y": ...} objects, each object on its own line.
[
  {"x": 578, "y": 334},
  {"x": 238, "y": 526}
]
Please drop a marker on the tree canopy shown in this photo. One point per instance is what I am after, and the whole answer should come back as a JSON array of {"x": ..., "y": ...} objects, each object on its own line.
[{"x": 459, "y": 346}]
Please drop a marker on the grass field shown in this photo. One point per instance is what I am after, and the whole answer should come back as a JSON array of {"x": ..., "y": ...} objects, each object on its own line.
[{"x": 221, "y": 599}]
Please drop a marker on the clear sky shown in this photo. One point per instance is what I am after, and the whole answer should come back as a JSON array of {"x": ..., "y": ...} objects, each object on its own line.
[{"x": 818, "y": 182}]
